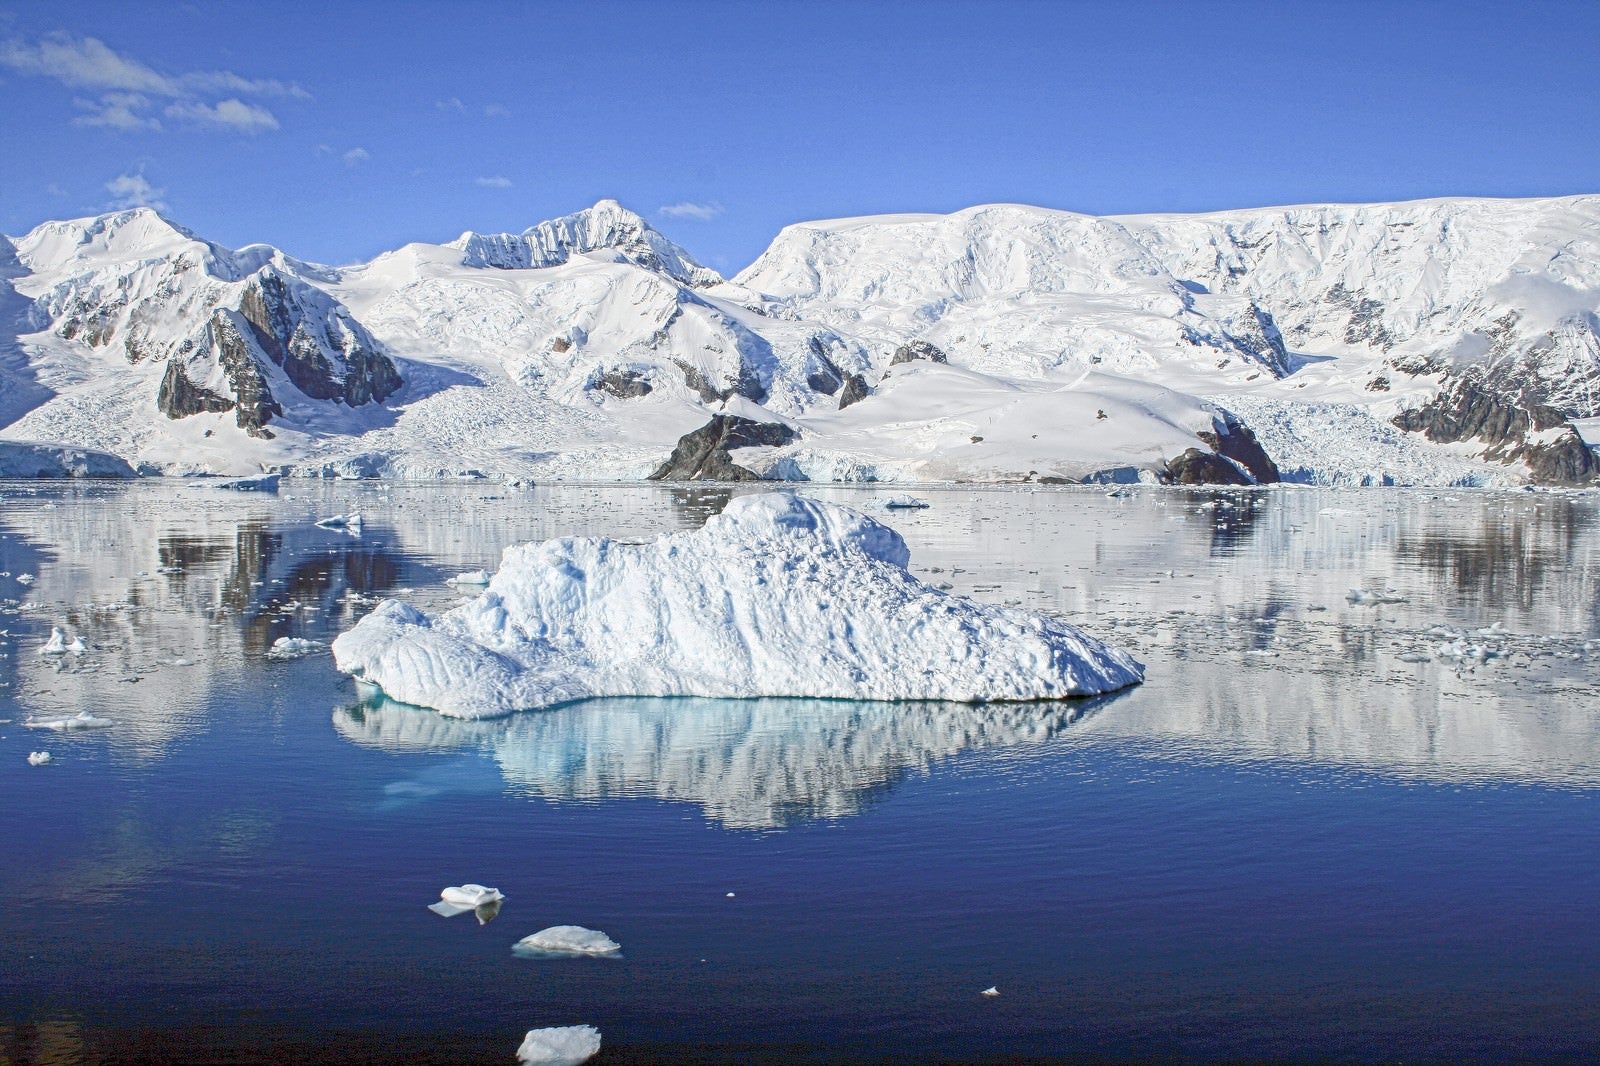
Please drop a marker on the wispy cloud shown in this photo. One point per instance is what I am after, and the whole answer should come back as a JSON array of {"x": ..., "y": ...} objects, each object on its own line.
[
  {"x": 132, "y": 190},
  {"x": 85, "y": 63},
  {"x": 231, "y": 113},
  {"x": 496, "y": 111},
  {"x": 690, "y": 209},
  {"x": 356, "y": 156},
  {"x": 118, "y": 111},
  {"x": 496, "y": 182},
  {"x": 129, "y": 89},
  {"x": 452, "y": 104}
]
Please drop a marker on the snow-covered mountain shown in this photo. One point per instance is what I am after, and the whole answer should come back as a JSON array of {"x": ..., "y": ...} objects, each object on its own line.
[{"x": 1437, "y": 341}]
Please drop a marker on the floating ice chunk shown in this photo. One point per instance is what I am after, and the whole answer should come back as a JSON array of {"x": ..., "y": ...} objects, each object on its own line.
[
  {"x": 1414, "y": 657},
  {"x": 566, "y": 1045},
  {"x": 81, "y": 720},
  {"x": 349, "y": 523},
  {"x": 38, "y": 758},
  {"x": 264, "y": 483},
  {"x": 776, "y": 596},
  {"x": 991, "y": 991},
  {"x": 58, "y": 644},
  {"x": 471, "y": 577},
  {"x": 567, "y": 940},
  {"x": 292, "y": 648},
  {"x": 471, "y": 895},
  {"x": 1373, "y": 597},
  {"x": 904, "y": 503},
  {"x": 26, "y": 579}
]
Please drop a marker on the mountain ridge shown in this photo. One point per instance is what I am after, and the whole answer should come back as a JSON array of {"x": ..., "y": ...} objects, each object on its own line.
[{"x": 1070, "y": 345}]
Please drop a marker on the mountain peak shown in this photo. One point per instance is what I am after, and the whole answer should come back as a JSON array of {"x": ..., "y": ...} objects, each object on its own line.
[
  {"x": 605, "y": 227},
  {"x": 135, "y": 233}
]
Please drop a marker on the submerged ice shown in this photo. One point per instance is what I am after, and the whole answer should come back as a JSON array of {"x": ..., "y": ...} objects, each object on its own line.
[{"x": 777, "y": 596}]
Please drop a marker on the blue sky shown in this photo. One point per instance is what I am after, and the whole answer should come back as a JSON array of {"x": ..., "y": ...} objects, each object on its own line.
[{"x": 337, "y": 130}]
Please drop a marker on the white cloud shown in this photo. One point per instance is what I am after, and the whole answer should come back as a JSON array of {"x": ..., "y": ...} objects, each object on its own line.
[
  {"x": 226, "y": 81},
  {"x": 118, "y": 111},
  {"x": 55, "y": 189},
  {"x": 85, "y": 63},
  {"x": 496, "y": 110},
  {"x": 127, "y": 85},
  {"x": 496, "y": 182},
  {"x": 689, "y": 209},
  {"x": 132, "y": 190},
  {"x": 356, "y": 156},
  {"x": 232, "y": 113},
  {"x": 452, "y": 104}
]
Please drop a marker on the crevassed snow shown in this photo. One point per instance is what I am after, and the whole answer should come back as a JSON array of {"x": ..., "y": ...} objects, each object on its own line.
[
  {"x": 777, "y": 596},
  {"x": 567, "y": 940},
  {"x": 566, "y": 1045}
]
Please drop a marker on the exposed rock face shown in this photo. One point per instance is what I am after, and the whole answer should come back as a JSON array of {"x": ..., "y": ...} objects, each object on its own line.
[
  {"x": 1234, "y": 440},
  {"x": 179, "y": 397},
  {"x": 306, "y": 341},
  {"x": 625, "y": 383},
  {"x": 1503, "y": 414},
  {"x": 703, "y": 455},
  {"x": 918, "y": 350},
  {"x": 1195, "y": 467},
  {"x": 855, "y": 390}
]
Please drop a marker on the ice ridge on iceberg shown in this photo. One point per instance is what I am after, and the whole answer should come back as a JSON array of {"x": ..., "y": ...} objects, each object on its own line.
[{"x": 777, "y": 596}]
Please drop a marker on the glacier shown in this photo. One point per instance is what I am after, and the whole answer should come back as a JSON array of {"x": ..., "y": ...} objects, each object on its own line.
[
  {"x": 1446, "y": 341},
  {"x": 779, "y": 595}
]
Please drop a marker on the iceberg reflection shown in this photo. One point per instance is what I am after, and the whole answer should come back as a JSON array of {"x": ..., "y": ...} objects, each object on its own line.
[{"x": 749, "y": 764}]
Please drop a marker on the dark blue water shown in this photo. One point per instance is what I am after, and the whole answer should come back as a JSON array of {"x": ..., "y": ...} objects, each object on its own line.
[{"x": 1286, "y": 845}]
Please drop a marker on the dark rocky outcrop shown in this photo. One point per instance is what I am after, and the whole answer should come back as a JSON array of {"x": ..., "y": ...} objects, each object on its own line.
[
  {"x": 1503, "y": 415},
  {"x": 1233, "y": 439},
  {"x": 625, "y": 383},
  {"x": 253, "y": 402},
  {"x": 918, "y": 350},
  {"x": 1196, "y": 467},
  {"x": 824, "y": 375},
  {"x": 747, "y": 384},
  {"x": 855, "y": 390},
  {"x": 300, "y": 340},
  {"x": 704, "y": 455},
  {"x": 179, "y": 397}
]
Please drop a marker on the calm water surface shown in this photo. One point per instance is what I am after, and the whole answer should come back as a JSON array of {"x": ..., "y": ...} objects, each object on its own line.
[{"x": 1307, "y": 836}]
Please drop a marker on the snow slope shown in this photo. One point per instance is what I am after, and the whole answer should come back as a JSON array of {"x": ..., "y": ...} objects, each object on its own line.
[
  {"x": 776, "y": 596},
  {"x": 1440, "y": 341}
]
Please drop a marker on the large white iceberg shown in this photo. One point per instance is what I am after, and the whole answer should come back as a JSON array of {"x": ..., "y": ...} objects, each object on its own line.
[
  {"x": 565, "y": 1045},
  {"x": 777, "y": 596}
]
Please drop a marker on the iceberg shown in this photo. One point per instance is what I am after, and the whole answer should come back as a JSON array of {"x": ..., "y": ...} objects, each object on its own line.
[
  {"x": 778, "y": 595},
  {"x": 565, "y": 941},
  {"x": 38, "y": 758},
  {"x": 566, "y": 1045}
]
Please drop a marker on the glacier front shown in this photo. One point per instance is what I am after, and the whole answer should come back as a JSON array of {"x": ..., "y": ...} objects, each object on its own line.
[{"x": 779, "y": 595}]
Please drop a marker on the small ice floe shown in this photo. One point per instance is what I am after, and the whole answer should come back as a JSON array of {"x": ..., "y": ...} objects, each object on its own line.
[
  {"x": 81, "y": 720},
  {"x": 58, "y": 644},
  {"x": 1414, "y": 657},
  {"x": 1373, "y": 597},
  {"x": 26, "y": 579},
  {"x": 730, "y": 895},
  {"x": 991, "y": 991},
  {"x": 564, "y": 1045},
  {"x": 38, "y": 758},
  {"x": 292, "y": 648},
  {"x": 567, "y": 941},
  {"x": 484, "y": 902},
  {"x": 349, "y": 523},
  {"x": 904, "y": 503},
  {"x": 471, "y": 577},
  {"x": 264, "y": 483}
]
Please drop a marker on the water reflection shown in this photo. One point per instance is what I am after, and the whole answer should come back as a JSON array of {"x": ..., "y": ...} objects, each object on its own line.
[{"x": 749, "y": 764}]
